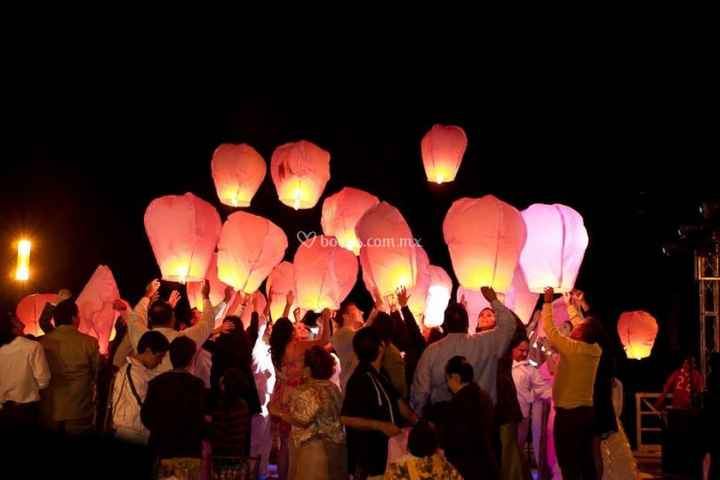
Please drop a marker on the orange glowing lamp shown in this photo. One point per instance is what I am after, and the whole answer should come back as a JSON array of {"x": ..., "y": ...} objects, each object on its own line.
[{"x": 22, "y": 273}]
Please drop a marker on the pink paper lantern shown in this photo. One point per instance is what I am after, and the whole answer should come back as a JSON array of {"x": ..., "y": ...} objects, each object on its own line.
[
  {"x": 183, "y": 231},
  {"x": 341, "y": 212},
  {"x": 300, "y": 171},
  {"x": 95, "y": 306},
  {"x": 637, "y": 331},
  {"x": 238, "y": 172},
  {"x": 324, "y": 273},
  {"x": 520, "y": 299},
  {"x": 485, "y": 236},
  {"x": 217, "y": 288},
  {"x": 438, "y": 296},
  {"x": 280, "y": 282},
  {"x": 418, "y": 294},
  {"x": 555, "y": 247},
  {"x": 30, "y": 308},
  {"x": 387, "y": 255},
  {"x": 442, "y": 150},
  {"x": 250, "y": 246}
]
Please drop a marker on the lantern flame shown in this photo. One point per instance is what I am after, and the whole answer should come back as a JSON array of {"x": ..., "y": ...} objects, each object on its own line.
[{"x": 22, "y": 272}]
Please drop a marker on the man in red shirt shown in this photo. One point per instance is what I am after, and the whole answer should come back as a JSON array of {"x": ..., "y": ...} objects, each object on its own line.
[{"x": 683, "y": 390}]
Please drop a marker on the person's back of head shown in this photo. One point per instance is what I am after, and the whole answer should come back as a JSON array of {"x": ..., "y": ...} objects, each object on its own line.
[
  {"x": 366, "y": 344},
  {"x": 65, "y": 312},
  {"x": 422, "y": 440},
  {"x": 384, "y": 326},
  {"x": 310, "y": 319},
  {"x": 459, "y": 365},
  {"x": 160, "y": 314},
  {"x": 435, "y": 334},
  {"x": 182, "y": 351},
  {"x": 281, "y": 335},
  {"x": 235, "y": 387},
  {"x": 320, "y": 363},
  {"x": 456, "y": 319}
]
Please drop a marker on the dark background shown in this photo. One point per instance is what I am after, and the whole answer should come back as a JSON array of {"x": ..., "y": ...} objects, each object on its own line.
[{"x": 84, "y": 158}]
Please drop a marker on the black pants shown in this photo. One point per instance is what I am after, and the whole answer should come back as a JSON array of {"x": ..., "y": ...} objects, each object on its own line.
[
  {"x": 19, "y": 416},
  {"x": 574, "y": 443}
]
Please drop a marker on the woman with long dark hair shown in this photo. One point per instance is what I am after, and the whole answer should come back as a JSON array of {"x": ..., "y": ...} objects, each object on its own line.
[{"x": 288, "y": 357}]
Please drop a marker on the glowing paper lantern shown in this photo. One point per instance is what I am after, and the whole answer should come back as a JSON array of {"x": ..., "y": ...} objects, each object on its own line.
[
  {"x": 31, "y": 307},
  {"x": 418, "y": 294},
  {"x": 520, "y": 299},
  {"x": 300, "y": 171},
  {"x": 95, "y": 306},
  {"x": 250, "y": 246},
  {"x": 485, "y": 236},
  {"x": 238, "y": 171},
  {"x": 442, "y": 150},
  {"x": 22, "y": 272},
  {"x": 556, "y": 243},
  {"x": 217, "y": 288},
  {"x": 387, "y": 255},
  {"x": 324, "y": 273},
  {"x": 637, "y": 331},
  {"x": 438, "y": 296},
  {"x": 280, "y": 282},
  {"x": 183, "y": 231},
  {"x": 341, "y": 212}
]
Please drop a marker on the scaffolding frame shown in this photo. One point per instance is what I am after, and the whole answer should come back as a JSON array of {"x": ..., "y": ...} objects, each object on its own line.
[{"x": 707, "y": 273}]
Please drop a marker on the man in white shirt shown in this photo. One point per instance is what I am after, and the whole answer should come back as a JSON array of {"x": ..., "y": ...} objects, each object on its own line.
[
  {"x": 130, "y": 387},
  {"x": 347, "y": 321},
  {"x": 162, "y": 319},
  {"x": 23, "y": 373}
]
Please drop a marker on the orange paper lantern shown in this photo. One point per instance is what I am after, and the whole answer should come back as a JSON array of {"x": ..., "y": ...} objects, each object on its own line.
[
  {"x": 31, "y": 307},
  {"x": 341, "y": 212},
  {"x": 637, "y": 331},
  {"x": 238, "y": 171},
  {"x": 387, "y": 255},
  {"x": 280, "y": 282},
  {"x": 324, "y": 273},
  {"x": 485, "y": 236},
  {"x": 300, "y": 171},
  {"x": 555, "y": 247},
  {"x": 217, "y": 288},
  {"x": 250, "y": 246},
  {"x": 183, "y": 231},
  {"x": 95, "y": 306},
  {"x": 442, "y": 150}
]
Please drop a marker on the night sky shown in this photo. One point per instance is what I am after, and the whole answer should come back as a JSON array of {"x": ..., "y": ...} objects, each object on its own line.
[{"x": 81, "y": 164}]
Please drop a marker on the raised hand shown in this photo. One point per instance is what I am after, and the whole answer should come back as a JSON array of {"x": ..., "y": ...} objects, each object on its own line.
[
  {"x": 205, "y": 289},
  {"x": 549, "y": 292},
  {"x": 489, "y": 294},
  {"x": 463, "y": 301},
  {"x": 152, "y": 288},
  {"x": 228, "y": 294},
  {"x": 402, "y": 296},
  {"x": 174, "y": 298}
]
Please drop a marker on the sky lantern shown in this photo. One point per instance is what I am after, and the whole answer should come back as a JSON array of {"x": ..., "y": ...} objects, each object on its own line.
[
  {"x": 520, "y": 299},
  {"x": 485, "y": 236},
  {"x": 387, "y": 255},
  {"x": 183, "y": 231},
  {"x": 476, "y": 303},
  {"x": 238, "y": 171},
  {"x": 418, "y": 294},
  {"x": 280, "y": 282},
  {"x": 22, "y": 272},
  {"x": 442, "y": 150},
  {"x": 438, "y": 296},
  {"x": 341, "y": 212},
  {"x": 31, "y": 307},
  {"x": 324, "y": 273},
  {"x": 555, "y": 247},
  {"x": 217, "y": 288},
  {"x": 300, "y": 171},
  {"x": 95, "y": 306},
  {"x": 637, "y": 331},
  {"x": 250, "y": 246}
]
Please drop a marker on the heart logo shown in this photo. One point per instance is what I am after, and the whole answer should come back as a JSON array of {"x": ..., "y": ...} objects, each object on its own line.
[{"x": 308, "y": 237}]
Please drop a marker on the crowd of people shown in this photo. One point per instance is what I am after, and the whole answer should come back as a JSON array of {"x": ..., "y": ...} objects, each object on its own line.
[{"x": 331, "y": 395}]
